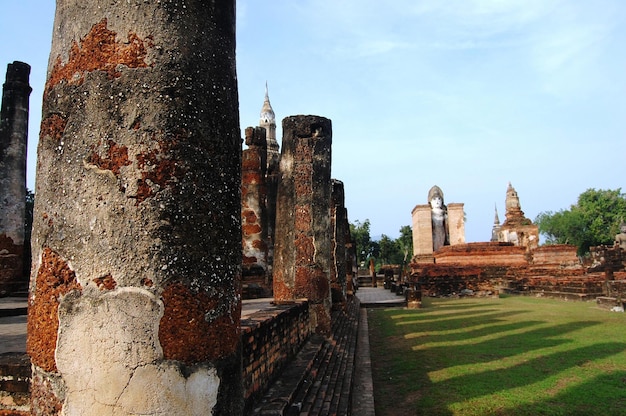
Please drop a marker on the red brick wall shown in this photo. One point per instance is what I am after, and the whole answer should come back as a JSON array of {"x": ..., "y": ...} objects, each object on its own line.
[{"x": 270, "y": 339}]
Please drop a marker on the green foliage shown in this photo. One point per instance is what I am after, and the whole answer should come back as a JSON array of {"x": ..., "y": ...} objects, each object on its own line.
[
  {"x": 593, "y": 221},
  {"x": 386, "y": 250},
  {"x": 405, "y": 242},
  {"x": 518, "y": 356},
  {"x": 365, "y": 247}
]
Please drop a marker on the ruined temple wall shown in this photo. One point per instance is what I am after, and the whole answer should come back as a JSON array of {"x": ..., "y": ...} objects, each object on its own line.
[
  {"x": 253, "y": 209},
  {"x": 270, "y": 339},
  {"x": 302, "y": 251},
  {"x": 456, "y": 223},
  {"x": 134, "y": 303},
  {"x": 13, "y": 143},
  {"x": 557, "y": 255},
  {"x": 479, "y": 254},
  {"x": 422, "y": 232}
]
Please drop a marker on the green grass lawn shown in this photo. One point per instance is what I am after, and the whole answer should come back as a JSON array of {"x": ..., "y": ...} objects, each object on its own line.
[{"x": 507, "y": 356}]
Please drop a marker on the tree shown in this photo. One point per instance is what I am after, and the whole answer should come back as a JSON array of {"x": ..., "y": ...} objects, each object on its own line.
[
  {"x": 405, "y": 242},
  {"x": 388, "y": 250},
  {"x": 593, "y": 221},
  {"x": 365, "y": 247}
]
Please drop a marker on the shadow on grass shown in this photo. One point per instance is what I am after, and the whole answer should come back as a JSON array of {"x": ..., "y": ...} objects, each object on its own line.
[
  {"x": 404, "y": 369},
  {"x": 603, "y": 395},
  {"x": 497, "y": 327},
  {"x": 458, "y": 320},
  {"x": 528, "y": 372},
  {"x": 503, "y": 346}
]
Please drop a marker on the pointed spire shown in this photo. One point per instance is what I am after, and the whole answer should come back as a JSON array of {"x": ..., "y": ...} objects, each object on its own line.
[
  {"x": 267, "y": 113},
  {"x": 496, "y": 220}
]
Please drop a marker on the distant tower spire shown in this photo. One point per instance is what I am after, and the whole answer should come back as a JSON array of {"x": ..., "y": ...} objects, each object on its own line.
[
  {"x": 496, "y": 226},
  {"x": 268, "y": 122},
  {"x": 496, "y": 220}
]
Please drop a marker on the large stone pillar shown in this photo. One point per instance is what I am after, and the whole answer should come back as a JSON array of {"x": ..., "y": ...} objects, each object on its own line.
[
  {"x": 302, "y": 251},
  {"x": 253, "y": 212},
  {"x": 134, "y": 304},
  {"x": 13, "y": 143},
  {"x": 422, "y": 227},
  {"x": 456, "y": 223},
  {"x": 339, "y": 222}
]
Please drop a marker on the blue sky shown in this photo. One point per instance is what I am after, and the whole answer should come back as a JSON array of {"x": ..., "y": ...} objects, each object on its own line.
[{"x": 464, "y": 94}]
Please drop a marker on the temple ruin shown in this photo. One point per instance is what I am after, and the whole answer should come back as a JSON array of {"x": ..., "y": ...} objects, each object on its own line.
[
  {"x": 152, "y": 223},
  {"x": 517, "y": 229},
  {"x": 436, "y": 225},
  {"x": 512, "y": 262}
]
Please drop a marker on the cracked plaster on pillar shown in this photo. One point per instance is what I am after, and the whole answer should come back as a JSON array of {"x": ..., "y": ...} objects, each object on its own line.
[{"x": 116, "y": 334}]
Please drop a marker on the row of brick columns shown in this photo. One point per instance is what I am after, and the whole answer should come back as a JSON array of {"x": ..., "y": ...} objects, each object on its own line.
[{"x": 142, "y": 193}]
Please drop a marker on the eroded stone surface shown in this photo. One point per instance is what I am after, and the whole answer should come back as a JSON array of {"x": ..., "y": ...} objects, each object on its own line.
[
  {"x": 303, "y": 250},
  {"x": 112, "y": 363}
]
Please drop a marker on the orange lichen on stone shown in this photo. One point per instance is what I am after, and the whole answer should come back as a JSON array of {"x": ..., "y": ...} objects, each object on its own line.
[
  {"x": 305, "y": 249},
  {"x": 303, "y": 218},
  {"x": 249, "y": 216},
  {"x": 115, "y": 157},
  {"x": 105, "y": 282},
  {"x": 54, "y": 280},
  {"x": 304, "y": 151},
  {"x": 42, "y": 400},
  {"x": 187, "y": 336},
  {"x": 250, "y": 229},
  {"x": 52, "y": 127},
  {"x": 303, "y": 182},
  {"x": 282, "y": 292},
  {"x": 99, "y": 51},
  {"x": 312, "y": 283},
  {"x": 259, "y": 244},
  {"x": 158, "y": 169}
]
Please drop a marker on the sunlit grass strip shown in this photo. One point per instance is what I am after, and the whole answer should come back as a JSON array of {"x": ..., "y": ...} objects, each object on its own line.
[{"x": 514, "y": 356}]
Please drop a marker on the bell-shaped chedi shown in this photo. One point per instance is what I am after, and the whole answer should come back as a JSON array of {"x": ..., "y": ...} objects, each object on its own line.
[{"x": 517, "y": 229}]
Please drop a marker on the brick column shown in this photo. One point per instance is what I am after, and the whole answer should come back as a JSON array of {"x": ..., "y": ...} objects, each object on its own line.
[
  {"x": 302, "y": 251},
  {"x": 134, "y": 305},
  {"x": 422, "y": 234},
  {"x": 339, "y": 222},
  {"x": 13, "y": 142},
  {"x": 456, "y": 223},
  {"x": 253, "y": 212}
]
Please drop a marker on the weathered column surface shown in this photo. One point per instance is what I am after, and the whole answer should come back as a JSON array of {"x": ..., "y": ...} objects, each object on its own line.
[
  {"x": 134, "y": 304},
  {"x": 339, "y": 222},
  {"x": 253, "y": 212},
  {"x": 302, "y": 251},
  {"x": 422, "y": 234},
  {"x": 13, "y": 143}
]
